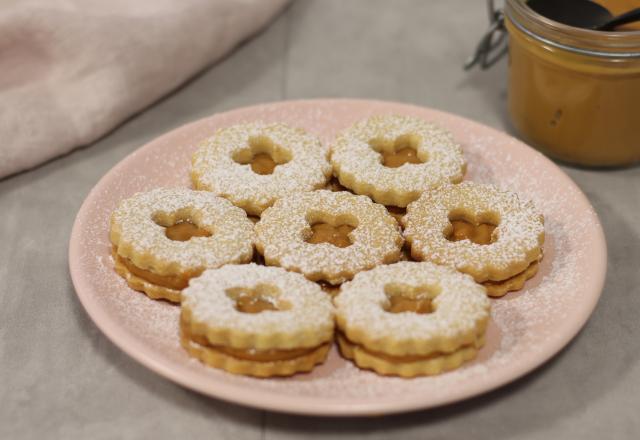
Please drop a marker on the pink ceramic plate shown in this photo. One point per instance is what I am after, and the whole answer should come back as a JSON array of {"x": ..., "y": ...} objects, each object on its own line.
[{"x": 528, "y": 327}]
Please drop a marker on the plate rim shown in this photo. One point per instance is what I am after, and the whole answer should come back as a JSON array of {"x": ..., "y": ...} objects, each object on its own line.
[{"x": 305, "y": 405}]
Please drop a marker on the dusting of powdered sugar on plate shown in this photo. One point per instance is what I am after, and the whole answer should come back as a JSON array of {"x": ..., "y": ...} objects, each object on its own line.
[{"x": 526, "y": 326}]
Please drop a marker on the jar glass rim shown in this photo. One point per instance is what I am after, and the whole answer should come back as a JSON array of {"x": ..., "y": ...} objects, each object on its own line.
[{"x": 606, "y": 44}]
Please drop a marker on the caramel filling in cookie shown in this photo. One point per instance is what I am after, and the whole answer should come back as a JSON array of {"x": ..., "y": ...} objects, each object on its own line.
[
  {"x": 185, "y": 231},
  {"x": 477, "y": 230},
  {"x": 327, "y": 233},
  {"x": 252, "y": 304},
  {"x": 249, "y": 354},
  {"x": 400, "y": 157},
  {"x": 263, "y": 155},
  {"x": 343, "y": 340},
  {"x": 464, "y": 230},
  {"x": 267, "y": 355},
  {"x": 179, "y": 227},
  {"x": 169, "y": 281},
  {"x": 407, "y": 298},
  {"x": 516, "y": 282},
  {"x": 263, "y": 164},
  {"x": 261, "y": 298},
  {"x": 398, "y": 152}
]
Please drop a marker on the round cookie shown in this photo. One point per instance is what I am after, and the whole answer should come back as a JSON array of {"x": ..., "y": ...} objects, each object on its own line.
[
  {"x": 393, "y": 158},
  {"x": 411, "y": 318},
  {"x": 255, "y": 164},
  {"x": 477, "y": 229},
  {"x": 164, "y": 237},
  {"x": 328, "y": 236},
  {"x": 256, "y": 320}
]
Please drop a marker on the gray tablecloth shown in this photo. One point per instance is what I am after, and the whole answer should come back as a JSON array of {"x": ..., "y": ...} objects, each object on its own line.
[{"x": 60, "y": 378}]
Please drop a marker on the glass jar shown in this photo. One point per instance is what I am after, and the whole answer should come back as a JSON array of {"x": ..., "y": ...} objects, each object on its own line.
[{"x": 574, "y": 93}]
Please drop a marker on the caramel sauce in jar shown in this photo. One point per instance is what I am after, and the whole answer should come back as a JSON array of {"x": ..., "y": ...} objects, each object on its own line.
[{"x": 574, "y": 93}]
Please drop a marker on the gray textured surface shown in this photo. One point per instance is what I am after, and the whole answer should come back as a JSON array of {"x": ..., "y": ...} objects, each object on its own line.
[{"x": 60, "y": 378}]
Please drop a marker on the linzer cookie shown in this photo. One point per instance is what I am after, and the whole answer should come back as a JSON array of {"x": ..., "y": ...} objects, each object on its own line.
[
  {"x": 256, "y": 320},
  {"x": 255, "y": 164},
  {"x": 393, "y": 159},
  {"x": 328, "y": 236},
  {"x": 480, "y": 230},
  {"x": 164, "y": 237},
  {"x": 411, "y": 319}
]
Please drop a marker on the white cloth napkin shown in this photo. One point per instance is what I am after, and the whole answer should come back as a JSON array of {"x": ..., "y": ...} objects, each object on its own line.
[{"x": 71, "y": 70}]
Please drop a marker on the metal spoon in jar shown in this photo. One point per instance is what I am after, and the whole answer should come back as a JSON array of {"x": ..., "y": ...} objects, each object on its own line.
[{"x": 583, "y": 14}]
